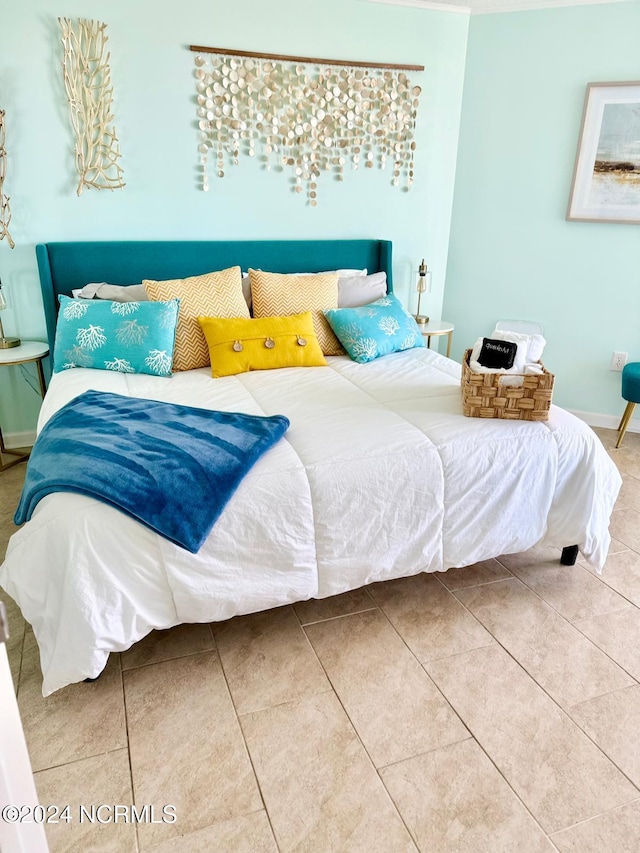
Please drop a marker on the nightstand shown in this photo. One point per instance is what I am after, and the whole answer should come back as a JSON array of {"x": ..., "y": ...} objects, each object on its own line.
[
  {"x": 26, "y": 352},
  {"x": 435, "y": 328}
]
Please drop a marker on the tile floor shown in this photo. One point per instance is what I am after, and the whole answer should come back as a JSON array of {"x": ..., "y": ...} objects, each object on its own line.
[{"x": 493, "y": 708}]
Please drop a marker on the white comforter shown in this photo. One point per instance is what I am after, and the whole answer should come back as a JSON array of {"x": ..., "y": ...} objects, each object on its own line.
[{"x": 379, "y": 476}]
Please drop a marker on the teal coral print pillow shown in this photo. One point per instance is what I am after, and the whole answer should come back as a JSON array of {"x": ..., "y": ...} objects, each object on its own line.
[
  {"x": 128, "y": 337},
  {"x": 376, "y": 329}
]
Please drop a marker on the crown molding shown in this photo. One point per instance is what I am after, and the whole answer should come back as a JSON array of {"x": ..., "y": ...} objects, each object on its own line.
[
  {"x": 424, "y": 4},
  {"x": 533, "y": 5},
  {"x": 498, "y": 8}
]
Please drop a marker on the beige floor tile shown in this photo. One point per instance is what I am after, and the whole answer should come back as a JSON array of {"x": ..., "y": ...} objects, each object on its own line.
[
  {"x": 186, "y": 746},
  {"x": 483, "y": 572},
  {"x": 571, "y": 590},
  {"x": 630, "y": 492},
  {"x": 76, "y": 722},
  {"x": 566, "y": 664},
  {"x": 454, "y": 801},
  {"x": 102, "y": 780},
  {"x": 319, "y": 787},
  {"x": 613, "y": 722},
  {"x": 10, "y": 488},
  {"x": 267, "y": 659},
  {"x": 625, "y": 526},
  {"x": 627, "y": 457},
  {"x": 616, "y": 546},
  {"x": 247, "y": 834},
  {"x": 561, "y": 777},
  {"x": 392, "y": 703},
  {"x": 317, "y": 609},
  {"x": 15, "y": 663},
  {"x": 617, "y": 634},
  {"x": 622, "y": 573},
  {"x": 165, "y": 645},
  {"x": 428, "y": 617},
  {"x": 533, "y": 557},
  {"x": 617, "y": 831}
]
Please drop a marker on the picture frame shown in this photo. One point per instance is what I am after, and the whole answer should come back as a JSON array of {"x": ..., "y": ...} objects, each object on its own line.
[{"x": 606, "y": 176}]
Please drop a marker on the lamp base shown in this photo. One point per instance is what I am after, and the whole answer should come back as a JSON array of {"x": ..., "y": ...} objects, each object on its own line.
[
  {"x": 7, "y": 343},
  {"x": 420, "y": 319}
]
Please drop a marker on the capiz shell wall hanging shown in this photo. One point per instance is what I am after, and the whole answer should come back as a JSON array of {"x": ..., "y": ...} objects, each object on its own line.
[
  {"x": 306, "y": 115},
  {"x": 87, "y": 80},
  {"x": 5, "y": 210}
]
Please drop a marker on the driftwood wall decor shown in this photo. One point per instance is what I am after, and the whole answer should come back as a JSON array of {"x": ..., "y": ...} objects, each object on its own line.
[
  {"x": 5, "y": 210},
  {"x": 87, "y": 80},
  {"x": 306, "y": 114}
]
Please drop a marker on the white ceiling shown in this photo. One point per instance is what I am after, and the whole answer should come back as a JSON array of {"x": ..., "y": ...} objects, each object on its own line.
[{"x": 485, "y": 7}]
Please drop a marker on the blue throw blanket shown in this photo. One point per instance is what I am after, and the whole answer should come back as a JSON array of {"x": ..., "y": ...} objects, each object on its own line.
[{"x": 171, "y": 467}]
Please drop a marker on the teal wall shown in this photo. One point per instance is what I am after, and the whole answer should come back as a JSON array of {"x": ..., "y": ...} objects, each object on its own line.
[
  {"x": 154, "y": 90},
  {"x": 512, "y": 254}
]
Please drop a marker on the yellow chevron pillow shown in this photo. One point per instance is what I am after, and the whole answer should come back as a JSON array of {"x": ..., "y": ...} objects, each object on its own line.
[
  {"x": 275, "y": 294},
  {"x": 215, "y": 294},
  {"x": 236, "y": 346}
]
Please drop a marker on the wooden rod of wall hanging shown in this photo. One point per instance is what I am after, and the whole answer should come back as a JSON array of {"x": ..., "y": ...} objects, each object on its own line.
[{"x": 312, "y": 60}]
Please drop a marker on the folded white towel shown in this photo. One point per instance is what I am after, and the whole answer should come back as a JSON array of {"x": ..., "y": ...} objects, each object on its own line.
[
  {"x": 511, "y": 381},
  {"x": 533, "y": 345}
]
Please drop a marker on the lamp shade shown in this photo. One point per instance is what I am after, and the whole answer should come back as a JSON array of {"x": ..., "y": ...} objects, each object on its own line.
[{"x": 5, "y": 343}]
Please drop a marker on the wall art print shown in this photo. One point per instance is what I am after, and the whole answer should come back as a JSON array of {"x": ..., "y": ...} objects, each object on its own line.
[
  {"x": 304, "y": 116},
  {"x": 87, "y": 80},
  {"x": 5, "y": 210},
  {"x": 606, "y": 181}
]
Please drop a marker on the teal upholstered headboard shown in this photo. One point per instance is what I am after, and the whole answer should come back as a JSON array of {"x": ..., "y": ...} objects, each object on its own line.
[{"x": 66, "y": 266}]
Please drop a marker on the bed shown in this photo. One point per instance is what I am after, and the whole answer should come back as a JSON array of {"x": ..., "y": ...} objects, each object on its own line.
[{"x": 379, "y": 476}]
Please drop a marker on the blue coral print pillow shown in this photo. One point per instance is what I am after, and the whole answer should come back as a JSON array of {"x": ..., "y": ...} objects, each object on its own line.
[
  {"x": 128, "y": 337},
  {"x": 376, "y": 329}
]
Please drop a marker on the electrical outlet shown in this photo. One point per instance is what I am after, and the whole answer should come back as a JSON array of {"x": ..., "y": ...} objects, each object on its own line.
[{"x": 618, "y": 360}]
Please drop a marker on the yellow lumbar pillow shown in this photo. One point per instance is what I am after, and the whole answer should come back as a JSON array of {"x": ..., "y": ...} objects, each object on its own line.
[{"x": 238, "y": 345}]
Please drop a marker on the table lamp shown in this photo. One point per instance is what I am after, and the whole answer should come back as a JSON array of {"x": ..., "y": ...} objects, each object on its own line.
[
  {"x": 5, "y": 343},
  {"x": 423, "y": 285}
]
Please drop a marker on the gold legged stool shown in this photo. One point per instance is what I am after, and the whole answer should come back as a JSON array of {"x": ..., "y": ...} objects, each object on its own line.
[{"x": 630, "y": 393}]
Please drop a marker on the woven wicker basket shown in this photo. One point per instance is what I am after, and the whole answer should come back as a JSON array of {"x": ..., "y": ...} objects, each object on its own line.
[{"x": 484, "y": 397}]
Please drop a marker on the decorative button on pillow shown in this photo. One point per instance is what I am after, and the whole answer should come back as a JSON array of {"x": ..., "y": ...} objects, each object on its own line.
[
  {"x": 236, "y": 346},
  {"x": 380, "y": 328},
  {"x": 128, "y": 337},
  {"x": 215, "y": 294},
  {"x": 275, "y": 294}
]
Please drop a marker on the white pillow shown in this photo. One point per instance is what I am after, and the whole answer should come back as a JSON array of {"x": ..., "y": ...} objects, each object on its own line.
[
  {"x": 357, "y": 290},
  {"x": 112, "y": 292},
  {"x": 341, "y": 273},
  {"x": 533, "y": 345}
]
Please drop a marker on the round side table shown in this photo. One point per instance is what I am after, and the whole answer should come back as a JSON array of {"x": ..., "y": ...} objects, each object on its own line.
[
  {"x": 435, "y": 328},
  {"x": 26, "y": 352}
]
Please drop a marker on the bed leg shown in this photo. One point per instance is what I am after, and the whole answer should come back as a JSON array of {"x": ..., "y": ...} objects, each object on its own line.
[{"x": 569, "y": 555}]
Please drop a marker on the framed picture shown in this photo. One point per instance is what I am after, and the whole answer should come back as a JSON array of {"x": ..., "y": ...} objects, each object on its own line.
[{"x": 606, "y": 178}]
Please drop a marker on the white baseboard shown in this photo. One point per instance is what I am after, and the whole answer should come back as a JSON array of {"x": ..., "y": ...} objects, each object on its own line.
[
  {"x": 19, "y": 439},
  {"x": 605, "y": 421}
]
